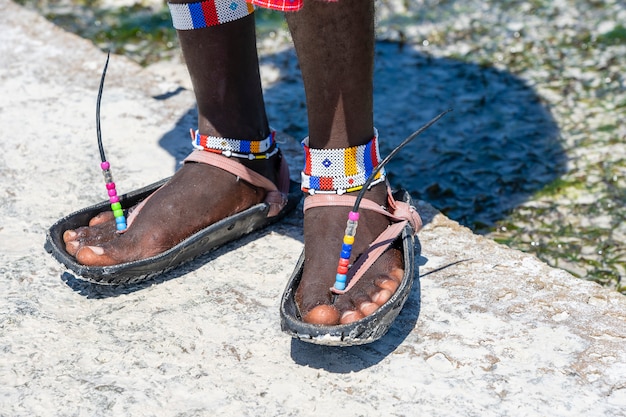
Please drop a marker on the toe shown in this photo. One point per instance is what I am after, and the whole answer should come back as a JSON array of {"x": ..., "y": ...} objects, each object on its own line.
[
  {"x": 322, "y": 314},
  {"x": 388, "y": 284},
  {"x": 103, "y": 217},
  {"x": 396, "y": 274},
  {"x": 368, "y": 308},
  {"x": 94, "y": 256},
  {"x": 381, "y": 297},
  {"x": 71, "y": 247},
  {"x": 351, "y": 316},
  {"x": 69, "y": 236}
]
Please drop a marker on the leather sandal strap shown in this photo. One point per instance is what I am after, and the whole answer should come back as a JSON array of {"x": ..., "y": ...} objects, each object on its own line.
[
  {"x": 398, "y": 210},
  {"x": 373, "y": 252},
  {"x": 276, "y": 196}
]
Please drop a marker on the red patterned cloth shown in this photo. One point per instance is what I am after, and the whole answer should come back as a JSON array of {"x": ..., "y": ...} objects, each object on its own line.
[{"x": 282, "y": 5}]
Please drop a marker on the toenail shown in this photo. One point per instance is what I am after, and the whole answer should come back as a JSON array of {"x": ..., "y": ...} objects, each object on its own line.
[
  {"x": 368, "y": 308},
  {"x": 350, "y": 316},
  {"x": 381, "y": 297},
  {"x": 70, "y": 234},
  {"x": 96, "y": 249}
]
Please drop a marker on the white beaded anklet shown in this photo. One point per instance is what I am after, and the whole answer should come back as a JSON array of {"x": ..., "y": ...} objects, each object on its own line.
[
  {"x": 338, "y": 171},
  {"x": 245, "y": 149}
]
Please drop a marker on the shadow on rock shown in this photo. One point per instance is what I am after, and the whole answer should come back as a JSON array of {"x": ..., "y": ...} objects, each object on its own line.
[{"x": 497, "y": 148}]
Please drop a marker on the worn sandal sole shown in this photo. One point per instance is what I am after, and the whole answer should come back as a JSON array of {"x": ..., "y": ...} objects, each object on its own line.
[{"x": 205, "y": 240}]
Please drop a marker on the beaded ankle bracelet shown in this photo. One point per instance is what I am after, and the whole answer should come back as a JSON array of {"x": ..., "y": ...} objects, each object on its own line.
[
  {"x": 245, "y": 149},
  {"x": 339, "y": 171},
  {"x": 116, "y": 206},
  {"x": 353, "y": 216}
]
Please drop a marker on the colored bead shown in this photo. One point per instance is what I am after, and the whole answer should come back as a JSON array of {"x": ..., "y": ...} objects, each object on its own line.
[
  {"x": 346, "y": 247},
  {"x": 340, "y": 285},
  {"x": 110, "y": 185},
  {"x": 107, "y": 176},
  {"x": 105, "y": 165},
  {"x": 342, "y": 270},
  {"x": 351, "y": 228},
  {"x": 344, "y": 262},
  {"x": 114, "y": 199},
  {"x": 345, "y": 254},
  {"x": 121, "y": 226},
  {"x": 120, "y": 219},
  {"x": 354, "y": 216},
  {"x": 112, "y": 193},
  {"x": 348, "y": 240},
  {"x": 118, "y": 213},
  {"x": 116, "y": 206},
  {"x": 341, "y": 278}
]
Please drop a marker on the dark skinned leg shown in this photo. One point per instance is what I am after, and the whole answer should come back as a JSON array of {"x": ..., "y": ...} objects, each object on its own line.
[
  {"x": 222, "y": 61},
  {"x": 335, "y": 47}
]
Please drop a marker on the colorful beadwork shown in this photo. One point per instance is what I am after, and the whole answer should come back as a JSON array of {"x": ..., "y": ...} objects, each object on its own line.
[
  {"x": 341, "y": 279},
  {"x": 337, "y": 171},
  {"x": 116, "y": 207},
  {"x": 120, "y": 219},
  {"x": 208, "y": 13},
  {"x": 247, "y": 149}
]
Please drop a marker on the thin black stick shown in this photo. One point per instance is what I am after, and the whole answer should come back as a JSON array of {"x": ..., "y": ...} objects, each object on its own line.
[
  {"x": 392, "y": 154},
  {"x": 98, "y": 133}
]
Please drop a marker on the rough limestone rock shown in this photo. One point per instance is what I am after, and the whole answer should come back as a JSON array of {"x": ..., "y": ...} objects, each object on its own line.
[{"x": 489, "y": 330}]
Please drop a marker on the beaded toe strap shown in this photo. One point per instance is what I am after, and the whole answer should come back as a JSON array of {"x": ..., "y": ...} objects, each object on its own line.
[{"x": 400, "y": 213}]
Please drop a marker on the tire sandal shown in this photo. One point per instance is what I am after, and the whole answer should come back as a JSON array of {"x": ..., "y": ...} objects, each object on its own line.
[
  {"x": 279, "y": 200},
  {"x": 406, "y": 222},
  {"x": 327, "y": 175}
]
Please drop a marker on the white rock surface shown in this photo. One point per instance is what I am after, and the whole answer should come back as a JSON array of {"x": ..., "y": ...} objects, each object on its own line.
[{"x": 492, "y": 331}]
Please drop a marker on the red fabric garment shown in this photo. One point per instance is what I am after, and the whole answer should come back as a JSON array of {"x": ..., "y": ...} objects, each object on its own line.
[{"x": 282, "y": 5}]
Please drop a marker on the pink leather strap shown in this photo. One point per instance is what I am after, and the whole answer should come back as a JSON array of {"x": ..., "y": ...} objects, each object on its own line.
[
  {"x": 276, "y": 195},
  {"x": 400, "y": 214},
  {"x": 397, "y": 211}
]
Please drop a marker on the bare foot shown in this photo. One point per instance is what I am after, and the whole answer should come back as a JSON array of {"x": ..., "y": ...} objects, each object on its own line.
[
  {"x": 323, "y": 233},
  {"x": 197, "y": 196}
]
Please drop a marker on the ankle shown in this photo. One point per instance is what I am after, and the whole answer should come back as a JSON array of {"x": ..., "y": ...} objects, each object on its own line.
[
  {"x": 266, "y": 167},
  {"x": 341, "y": 170}
]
